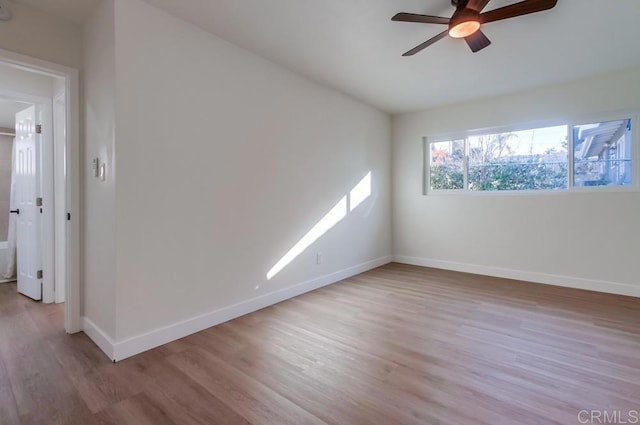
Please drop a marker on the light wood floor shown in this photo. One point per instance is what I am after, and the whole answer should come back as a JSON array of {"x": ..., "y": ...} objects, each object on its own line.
[{"x": 397, "y": 345}]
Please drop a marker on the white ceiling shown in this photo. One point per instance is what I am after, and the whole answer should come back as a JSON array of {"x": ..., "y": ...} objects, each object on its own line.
[
  {"x": 75, "y": 11},
  {"x": 353, "y": 46}
]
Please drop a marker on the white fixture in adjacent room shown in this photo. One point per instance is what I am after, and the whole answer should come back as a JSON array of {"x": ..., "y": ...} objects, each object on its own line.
[{"x": 5, "y": 11}]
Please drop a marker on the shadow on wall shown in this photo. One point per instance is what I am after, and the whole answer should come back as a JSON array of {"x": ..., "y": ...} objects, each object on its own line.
[{"x": 347, "y": 204}]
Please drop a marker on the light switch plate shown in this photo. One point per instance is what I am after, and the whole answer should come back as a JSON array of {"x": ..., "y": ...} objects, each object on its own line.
[{"x": 95, "y": 166}]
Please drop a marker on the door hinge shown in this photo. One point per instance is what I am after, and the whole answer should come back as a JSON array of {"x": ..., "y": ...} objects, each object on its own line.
[
  {"x": 39, "y": 274},
  {"x": 39, "y": 129},
  {"x": 38, "y": 202}
]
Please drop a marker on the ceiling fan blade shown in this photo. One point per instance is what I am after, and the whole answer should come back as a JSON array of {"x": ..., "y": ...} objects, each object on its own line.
[
  {"x": 477, "y": 41},
  {"x": 477, "y": 5},
  {"x": 426, "y": 44},
  {"x": 423, "y": 19},
  {"x": 517, "y": 9}
]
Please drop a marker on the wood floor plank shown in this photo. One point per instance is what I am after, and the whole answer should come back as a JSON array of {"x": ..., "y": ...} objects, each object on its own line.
[
  {"x": 396, "y": 345},
  {"x": 8, "y": 408},
  {"x": 254, "y": 401},
  {"x": 137, "y": 410},
  {"x": 99, "y": 384},
  {"x": 188, "y": 401},
  {"x": 310, "y": 394}
]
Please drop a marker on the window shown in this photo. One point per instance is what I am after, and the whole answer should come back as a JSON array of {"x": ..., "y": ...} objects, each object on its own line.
[
  {"x": 534, "y": 159},
  {"x": 602, "y": 154},
  {"x": 447, "y": 165}
]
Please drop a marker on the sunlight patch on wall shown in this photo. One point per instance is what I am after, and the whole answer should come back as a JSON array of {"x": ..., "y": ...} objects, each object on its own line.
[
  {"x": 360, "y": 192},
  {"x": 337, "y": 213},
  {"x": 357, "y": 196}
]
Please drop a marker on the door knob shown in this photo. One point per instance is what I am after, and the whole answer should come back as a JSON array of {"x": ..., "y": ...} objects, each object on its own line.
[{"x": 15, "y": 211}]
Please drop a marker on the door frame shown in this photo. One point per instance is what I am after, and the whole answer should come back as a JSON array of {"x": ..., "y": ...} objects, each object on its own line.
[{"x": 68, "y": 173}]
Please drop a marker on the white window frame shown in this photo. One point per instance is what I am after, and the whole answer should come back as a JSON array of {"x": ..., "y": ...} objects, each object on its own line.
[{"x": 570, "y": 123}]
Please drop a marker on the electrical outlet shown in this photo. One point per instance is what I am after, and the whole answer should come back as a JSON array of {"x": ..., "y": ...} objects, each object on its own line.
[{"x": 319, "y": 258}]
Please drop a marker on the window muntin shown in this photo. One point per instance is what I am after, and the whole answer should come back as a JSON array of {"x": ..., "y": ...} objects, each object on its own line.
[{"x": 535, "y": 159}]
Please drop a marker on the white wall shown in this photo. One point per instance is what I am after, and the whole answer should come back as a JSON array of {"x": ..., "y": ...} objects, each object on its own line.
[
  {"x": 34, "y": 33},
  {"x": 25, "y": 82},
  {"x": 585, "y": 240},
  {"x": 98, "y": 203},
  {"x": 224, "y": 161}
]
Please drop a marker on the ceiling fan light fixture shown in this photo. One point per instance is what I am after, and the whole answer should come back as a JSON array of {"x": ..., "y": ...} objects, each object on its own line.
[
  {"x": 464, "y": 23},
  {"x": 464, "y": 29}
]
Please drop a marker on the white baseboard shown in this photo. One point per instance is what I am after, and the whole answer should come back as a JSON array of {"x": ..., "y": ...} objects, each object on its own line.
[
  {"x": 99, "y": 337},
  {"x": 121, "y": 350},
  {"x": 548, "y": 279},
  {"x": 132, "y": 346}
]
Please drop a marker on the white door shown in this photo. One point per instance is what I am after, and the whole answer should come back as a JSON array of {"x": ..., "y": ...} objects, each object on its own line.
[{"x": 27, "y": 169}]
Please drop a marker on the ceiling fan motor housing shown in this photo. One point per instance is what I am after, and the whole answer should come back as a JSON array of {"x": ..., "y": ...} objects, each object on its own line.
[{"x": 459, "y": 3}]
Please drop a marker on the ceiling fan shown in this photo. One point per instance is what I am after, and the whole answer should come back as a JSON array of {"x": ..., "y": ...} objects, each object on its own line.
[{"x": 467, "y": 20}]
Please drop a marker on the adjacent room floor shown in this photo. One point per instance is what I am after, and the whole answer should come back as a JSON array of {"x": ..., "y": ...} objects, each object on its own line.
[{"x": 397, "y": 345}]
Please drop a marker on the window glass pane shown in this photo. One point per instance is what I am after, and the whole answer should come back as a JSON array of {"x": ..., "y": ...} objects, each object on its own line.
[
  {"x": 446, "y": 165},
  {"x": 532, "y": 159},
  {"x": 602, "y": 154}
]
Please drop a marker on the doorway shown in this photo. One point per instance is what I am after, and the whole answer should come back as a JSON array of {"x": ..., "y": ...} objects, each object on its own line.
[{"x": 52, "y": 214}]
